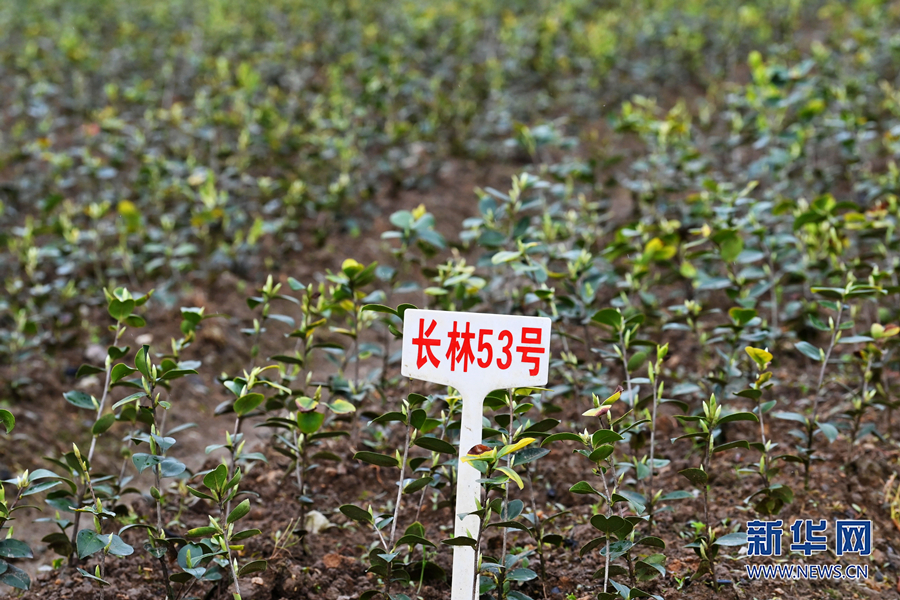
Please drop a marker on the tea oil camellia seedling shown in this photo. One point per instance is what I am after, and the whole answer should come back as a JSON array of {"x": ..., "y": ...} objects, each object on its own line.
[{"x": 418, "y": 301}]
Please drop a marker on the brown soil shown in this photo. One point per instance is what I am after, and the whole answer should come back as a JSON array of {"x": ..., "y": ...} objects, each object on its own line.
[{"x": 330, "y": 565}]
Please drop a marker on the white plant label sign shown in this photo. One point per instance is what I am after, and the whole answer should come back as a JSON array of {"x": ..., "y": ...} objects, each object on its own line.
[{"x": 474, "y": 353}]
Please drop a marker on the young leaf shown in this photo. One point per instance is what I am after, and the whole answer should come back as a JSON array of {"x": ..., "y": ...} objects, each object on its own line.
[
  {"x": 512, "y": 475},
  {"x": 435, "y": 444},
  {"x": 257, "y": 566},
  {"x": 80, "y": 399},
  {"x": 373, "y": 458},
  {"x": 247, "y": 403},
  {"x": 239, "y": 511},
  {"x": 142, "y": 361},
  {"x": 357, "y": 514},
  {"x": 8, "y": 420},
  {"x": 10, "y": 548},
  {"x": 608, "y": 316},
  {"x": 696, "y": 476},
  {"x": 732, "y": 539},
  {"x": 809, "y": 350}
]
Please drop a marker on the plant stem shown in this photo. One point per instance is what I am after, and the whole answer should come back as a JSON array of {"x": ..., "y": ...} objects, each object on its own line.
[
  {"x": 299, "y": 467},
  {"x": 608, "y": 514},
  {"x": 509, "y": 430},
  {"x": 811, "y": 426},
  {"x": 73, "y": 558},
  {"x": 706, "y": 459},
  {"x": 400, "y": 481},
  {"x": 625, "y": 367},
  {"x": 650, "y": 494},
  {"x": 538, "y": 527},
  {"x": 773, "y": 293},
  {"x": 170, "y": 593}
]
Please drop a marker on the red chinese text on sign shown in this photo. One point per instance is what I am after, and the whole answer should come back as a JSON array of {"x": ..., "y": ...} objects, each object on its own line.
[{"x": 439, "y": 345}]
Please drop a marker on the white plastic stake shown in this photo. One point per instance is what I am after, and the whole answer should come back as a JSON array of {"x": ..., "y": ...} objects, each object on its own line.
[{"x": 476, "y": 354}]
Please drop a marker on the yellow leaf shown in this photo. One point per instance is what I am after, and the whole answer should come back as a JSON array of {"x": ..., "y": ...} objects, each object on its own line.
[
  {"x": 514, "y": 447},
  {"x": 760, "y": 357},
  {"x": 512, "y": 475}
]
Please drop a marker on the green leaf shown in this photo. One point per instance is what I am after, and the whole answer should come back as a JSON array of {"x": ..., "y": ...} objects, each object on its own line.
[
  {"x": 373, "y": 458},
  {"x": 730, "y": 445},
  {"x": 291, "y": 360},
  {"x": 676, "y": 495},
  {"x": 177, "y": 374},
  {"x": 88, "y": 543},
  {"x": 202, "y": 532},
  {"x": 239, "y": 511},
  {"x": 809, "y": 350},
  {"x": 828, "y": 292},
  {"x": 341, "y": 406},
  {"x": 119, "y": 372},
  {"x": 393, "y": 416},
  {"x": 527, "y": 455},
  {"x": 637, "y": 360},
  {"x": 608, "y": 525},
  {"x": 381, "y": 308},
  {"x": 117, "y": 546},
  {"x": 564, "y": 436},
  {"x": 85, "y": 370},
  {"x": 521, "y": 574},
  {"x": 310, "y": 422},
  {"x": 435, "y": 445},
  {"x": 10, "y": 548},
  {"x": 199, "y": 494},
  {"x": 8, "y": 420},
  {"x": 102, "y": 424},
  {"x": 460, "y": 540},
  {"x": 829, "y": 431},
  {"x": 357, "y": 514},
  {"x": 256, "y": 566},
  {"x": 245, "y": 534},
  {"x": 15, "y": 577},
  {"x": 120, "y": 309},
  {"x": 417, "y": 485},
  {"x": 601, "y": 453},
  {"x": 195, "y": 551},
  {"x": 609, "y": 317},
  {"x": 169, "y": 467},
  {"x": 128, "y": 399},
  {"x": 413, "y": 540},
  {"x": 732, "y": 539},
  {"x": 650, "y": 568},
  {"x": 135, "y": 320},
  {"x": 651, "y": 541},
  {"x": 142, "y": 361},
  {"x": 696, "y": 476},
  {"x": 115, "y": 353},
  {"x": 605, "y": 436},
  {"x": 91, "y": 576},
  {"x": 143, "y": 461},
  {"x": 505, "y": 256},
  {"x": 247, "y": 403},
  {"x": 730, "y": 244},
  {"x": 740, "y": 416},
  {"x": 741, "y": 316},
  {"x": 216, "y": 479},
  {"x": 855, "y": 339},
  {"x": 37, "y": 488},
  {"x": 80, "y": 399},
  {"x": 791, "y": 416}
]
